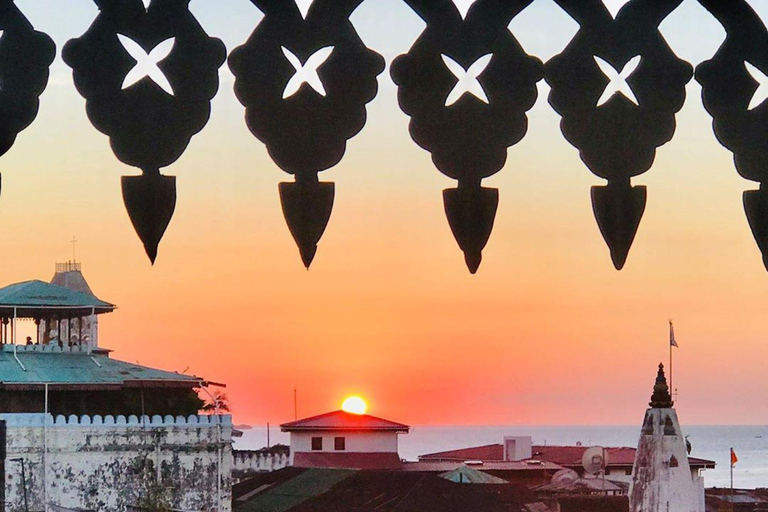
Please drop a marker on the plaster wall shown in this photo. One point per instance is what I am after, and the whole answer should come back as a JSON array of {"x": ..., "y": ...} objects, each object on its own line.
[
  {"x": 109, "y": 463},
  {"x": 356, "y": 442}
]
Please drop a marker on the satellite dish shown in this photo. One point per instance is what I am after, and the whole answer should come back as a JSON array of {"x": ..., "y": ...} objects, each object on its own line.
[
  {"x": 565, "y": 476},
  {"x": 594, "y": 460}
]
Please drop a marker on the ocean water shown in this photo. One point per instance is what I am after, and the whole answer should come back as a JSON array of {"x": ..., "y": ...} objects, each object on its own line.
[{"x": 709, "y": 442}]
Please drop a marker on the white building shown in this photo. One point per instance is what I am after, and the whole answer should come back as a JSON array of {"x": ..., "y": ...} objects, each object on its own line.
[
  {"x": 662, "y": 478},
  {"x": 345, "y": 440}
]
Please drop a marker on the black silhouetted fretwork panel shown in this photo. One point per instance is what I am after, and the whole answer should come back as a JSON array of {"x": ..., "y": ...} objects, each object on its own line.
[
  {"x": 25, "y": 56},
  {"x": 468, "y": 134},
  {"x": 148, "y": 75},
  {"x": 617, "y": 86},
  {"x": 735, "y": 89},
  {"x": 305, "y": 84}
]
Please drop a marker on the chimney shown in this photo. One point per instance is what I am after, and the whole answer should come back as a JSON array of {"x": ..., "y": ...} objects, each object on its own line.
[{"x": 517, "y": 448}]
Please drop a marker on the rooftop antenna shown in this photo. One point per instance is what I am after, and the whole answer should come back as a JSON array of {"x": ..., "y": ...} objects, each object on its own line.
[
  {"x": 73, "y": 242},
  {"x": 295, "y": 406}
]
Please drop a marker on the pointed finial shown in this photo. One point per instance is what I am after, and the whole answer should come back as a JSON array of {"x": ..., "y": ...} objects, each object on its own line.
[
  {"x": 307, "y": 206},
  {"x": 618, "y": 209},
  {"x": 661, "y": 398},
  {"x": 471, "y": 211},
  {"x": 150, "y": 200}
]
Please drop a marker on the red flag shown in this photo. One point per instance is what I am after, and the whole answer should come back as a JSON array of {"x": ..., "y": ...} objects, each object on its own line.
[{"x": 734, "y": 458}]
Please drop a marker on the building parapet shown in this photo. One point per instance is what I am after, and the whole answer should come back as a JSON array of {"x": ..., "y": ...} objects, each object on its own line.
[
  {"x": 41, "y": 420},
  {"x": 51, "y": 347}
]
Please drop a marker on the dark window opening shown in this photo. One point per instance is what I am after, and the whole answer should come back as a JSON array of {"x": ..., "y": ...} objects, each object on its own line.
[
  {"x": 317, "y": 444},
  {"x": 339, "y": 444},
  {"x": 669, "y": 427}
]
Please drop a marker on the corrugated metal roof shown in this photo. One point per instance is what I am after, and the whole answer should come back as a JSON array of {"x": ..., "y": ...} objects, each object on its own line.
[
  {"x": 35, "y": 295},
  {"x": 466, "y": 475},
  {"x": 342, "y": 420},
  {"x": 295, "y": 491},
  {"x": 76, "y": 368}
]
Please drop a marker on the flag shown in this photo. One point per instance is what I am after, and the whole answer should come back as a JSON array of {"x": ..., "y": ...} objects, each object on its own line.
[
  {"x": 672, "y": 341},
  {"x": 734, "y": 458}
]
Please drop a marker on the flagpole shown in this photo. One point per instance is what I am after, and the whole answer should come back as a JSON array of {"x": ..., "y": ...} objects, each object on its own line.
[
  {"x": 671, "y": 337},
  {"x": 671, "y": 388},
  {"x": 731, "y": 455}
]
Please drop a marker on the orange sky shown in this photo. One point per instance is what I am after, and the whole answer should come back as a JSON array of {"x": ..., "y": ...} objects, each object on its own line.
[{"x": 547, "y": 332}]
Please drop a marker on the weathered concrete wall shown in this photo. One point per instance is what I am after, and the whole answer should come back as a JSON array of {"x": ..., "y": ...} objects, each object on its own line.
[
  {"x": 109, "y": 463},
  {"x": 661, "y": 478},
  {"x": 246, "y": 463}
]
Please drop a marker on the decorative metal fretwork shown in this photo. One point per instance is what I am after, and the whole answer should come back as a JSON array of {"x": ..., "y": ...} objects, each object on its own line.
[
  {"x": 467, "y": 85},
  {"x": 618, "y": 86},
  {"x": 305, "y": 79},
  {"x": 148, "y": 73},
  {"x": 25, "y": 58},
  {"x": 735, "y": 89}
]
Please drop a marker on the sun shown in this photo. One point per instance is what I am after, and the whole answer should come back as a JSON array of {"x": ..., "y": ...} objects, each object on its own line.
[{"x": 354, "y": 405}]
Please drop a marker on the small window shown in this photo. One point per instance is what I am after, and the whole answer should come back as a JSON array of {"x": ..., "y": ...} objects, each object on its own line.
[
  {"x": 339, "y": 444},
  {"x": 317, "y": 444}
]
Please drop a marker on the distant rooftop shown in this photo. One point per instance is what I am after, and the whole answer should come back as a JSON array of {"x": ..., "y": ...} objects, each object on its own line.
[
  {"x": 342, "y": 420},
  {"x": 563, "y": 455},
  {"x": 347, "y": 460}
]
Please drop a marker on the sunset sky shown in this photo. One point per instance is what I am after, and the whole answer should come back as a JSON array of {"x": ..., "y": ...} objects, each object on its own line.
[{"x": 547, "y": 332}]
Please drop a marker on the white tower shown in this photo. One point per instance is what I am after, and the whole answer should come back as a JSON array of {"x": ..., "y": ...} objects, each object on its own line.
[{"x": 662, "y": 480}]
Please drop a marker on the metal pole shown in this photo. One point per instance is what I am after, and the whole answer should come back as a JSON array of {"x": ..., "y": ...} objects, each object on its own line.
[
  {"x": 730, "y": 456},
  {"x": 295, "y": 406},
  {"x": 267, "y": 435},
  {"x": 45, "y": 450},
  {"x": 13, "y": 327},
  {"x": 92, "y": 341}
]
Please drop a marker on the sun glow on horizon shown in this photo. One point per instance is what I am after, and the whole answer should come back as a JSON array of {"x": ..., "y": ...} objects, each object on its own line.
[{"x": 354, "y": 405}]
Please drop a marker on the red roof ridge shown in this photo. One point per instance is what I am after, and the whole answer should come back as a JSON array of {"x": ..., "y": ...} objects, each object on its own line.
[{"x": 354, "y": 422}]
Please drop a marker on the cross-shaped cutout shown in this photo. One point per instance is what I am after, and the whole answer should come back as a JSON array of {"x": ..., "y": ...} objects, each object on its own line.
[
  {"x": 304, "y": 6},
  {"x": 761, "y": 93},
  {"x": 614, "y": 6},
  {"x": 618, "y": 80},
  {"x": 467, "y": 79},
  {"x": 464, "y": 6},
  {"x": 147, "y": 63},
  {"x": 306, "y": 73},
  {"x": 146, "y": 4}
]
